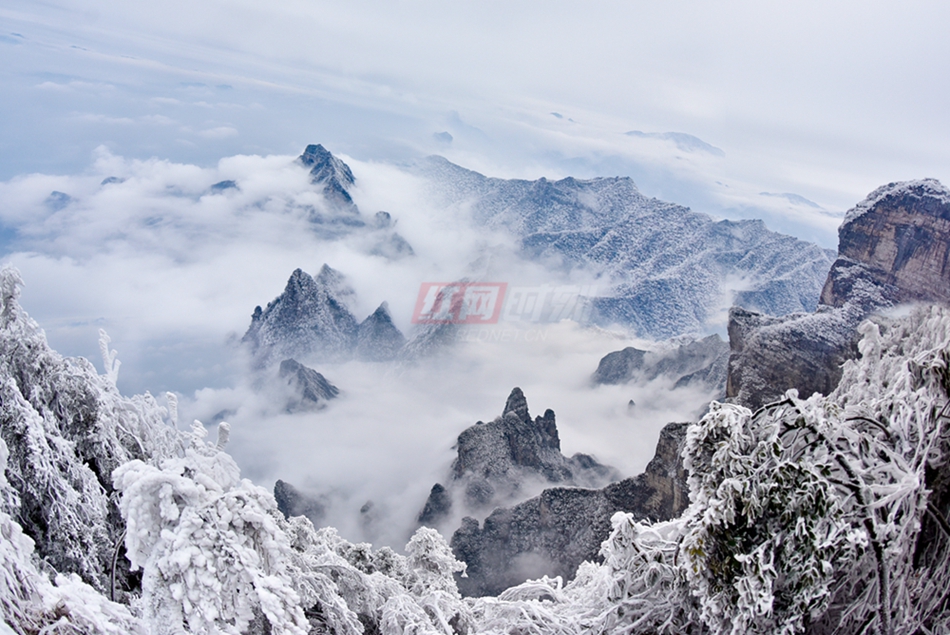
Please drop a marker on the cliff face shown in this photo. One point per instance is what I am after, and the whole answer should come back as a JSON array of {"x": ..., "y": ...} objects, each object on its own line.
[
  {"x": 893, "y": 248},
  {"x": 694, "y": 363},
  {"x": 553, "y": 533},
  {"x": 899, "y": 235}
]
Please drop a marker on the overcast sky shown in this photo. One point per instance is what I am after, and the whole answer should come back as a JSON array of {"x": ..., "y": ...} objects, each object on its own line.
[{"x": 826, "y": 100}]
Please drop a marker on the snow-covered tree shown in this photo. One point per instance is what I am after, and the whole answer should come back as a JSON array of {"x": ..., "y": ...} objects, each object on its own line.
[
  {"x": 813, "y": 515},
  {"x": 808, "y": 513},
  {"x": 208, "y": 543},
  {"x": 67, "y": 428}
]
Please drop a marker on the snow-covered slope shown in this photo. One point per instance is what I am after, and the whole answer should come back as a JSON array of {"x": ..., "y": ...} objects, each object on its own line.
[{"x": 666, "y": 269}]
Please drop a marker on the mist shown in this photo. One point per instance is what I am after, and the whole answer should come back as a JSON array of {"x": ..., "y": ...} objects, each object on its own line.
[
  {"x": 389, "y": 436},
  {"x": 171, "y": 259}
]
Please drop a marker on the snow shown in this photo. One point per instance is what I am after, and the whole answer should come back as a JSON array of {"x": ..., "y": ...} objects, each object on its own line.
[{"x": 919, "y": 188}]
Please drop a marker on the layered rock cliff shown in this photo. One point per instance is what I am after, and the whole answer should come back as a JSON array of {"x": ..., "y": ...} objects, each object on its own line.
[{"x": 893, "y": 248}]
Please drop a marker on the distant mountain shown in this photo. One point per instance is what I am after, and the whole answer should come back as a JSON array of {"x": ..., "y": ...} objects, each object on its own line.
[
  {"x": 310, "y": 319},
  {"x": 340, "y": 216},
  {"x": 683, "y": 141},
  {"x": 697, "y": 363},
  {"x": 666, "y": 270},
  {"x": 310, "y": 389},
  {"x": 377, "y": 338},
  {"x": 329, "y": 172}
]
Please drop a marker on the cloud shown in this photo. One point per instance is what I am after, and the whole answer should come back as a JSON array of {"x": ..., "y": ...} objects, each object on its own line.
[
  {"x": 106, "y": 119},
  {"x": 793, "y": 97},
  {"x": 220, "y": 132},
  {"x": 172, "y": 269}
]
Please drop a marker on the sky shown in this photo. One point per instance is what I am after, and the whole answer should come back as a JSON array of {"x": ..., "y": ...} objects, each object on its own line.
[
  {"x": 790, "y": 112},
  {"x": 823, "y": 100}
]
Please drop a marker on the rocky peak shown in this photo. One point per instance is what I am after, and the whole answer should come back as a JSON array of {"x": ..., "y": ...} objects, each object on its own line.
[
  {"x": 310, "y": 318},
  {"x": 517, "y": 405},
  {"x": 377, "y": 338},
  {"x": 333, "y": 174},
  {"x": 553, "y": 533},
  {"x": 500, "y": 460},
  {"x": 900, "y": 236}
]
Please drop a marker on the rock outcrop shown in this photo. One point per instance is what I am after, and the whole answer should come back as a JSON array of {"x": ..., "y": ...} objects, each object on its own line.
[
  {"x": 292, "y": 502},
  {"x": 697, "y": 363},
  {"x": 499, "y": 463},
  {"x": 899, "y": 239},
  {"x": 556, "y": 531},
  {"x": 893, "y": 248}
]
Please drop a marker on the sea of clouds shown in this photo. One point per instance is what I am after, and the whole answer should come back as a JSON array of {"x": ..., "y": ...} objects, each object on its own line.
[{"x": 172, "y": 267}]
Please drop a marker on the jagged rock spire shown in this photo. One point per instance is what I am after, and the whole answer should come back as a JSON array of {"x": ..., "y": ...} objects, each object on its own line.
[{"x": 517, "y": 404}]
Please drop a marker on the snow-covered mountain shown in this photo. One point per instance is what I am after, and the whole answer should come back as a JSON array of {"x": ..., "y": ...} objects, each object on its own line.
[
  {"x": 666, "y": 270},
  {"x": 312, "y": 319}
]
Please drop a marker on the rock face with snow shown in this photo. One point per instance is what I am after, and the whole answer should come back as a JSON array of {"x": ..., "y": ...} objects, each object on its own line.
[
  {"x": 899, "y": 238},
  {"x": 893, "y": 248},
  {"x": 666, "y": 268},
  {"x": 310, "y": 388},
  {"x": 312, "y": 319},
  {"x": 556, "y": 531},
  {"x": 499, "y": 461},
  {"x": 329, "y": 172},
  {"x": 697, "y": 363}
]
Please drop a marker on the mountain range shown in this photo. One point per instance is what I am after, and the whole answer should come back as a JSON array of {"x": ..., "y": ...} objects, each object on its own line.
[{"x": 665, "y": 270}]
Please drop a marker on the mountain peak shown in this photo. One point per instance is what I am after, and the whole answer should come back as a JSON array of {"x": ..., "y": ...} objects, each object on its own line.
[
  {"x": 310, "y": 318},
  {"x": 329, "y": 171},
  {"x": 517, "y": 404}
]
